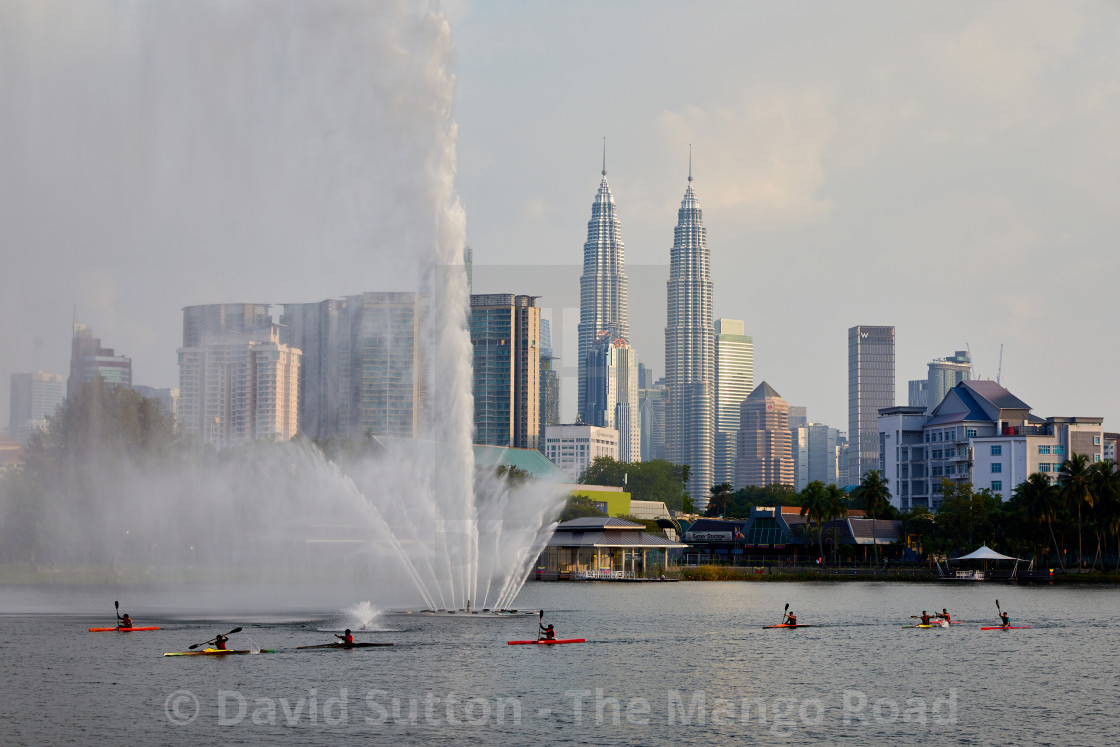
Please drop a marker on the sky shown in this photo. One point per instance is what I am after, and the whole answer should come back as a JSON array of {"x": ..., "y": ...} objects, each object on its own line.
[{"x": 949, "y": 168}]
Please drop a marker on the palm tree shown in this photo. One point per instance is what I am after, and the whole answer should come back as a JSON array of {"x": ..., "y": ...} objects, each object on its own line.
[
  {"x": 836, "y": 508},
  {"x": 876, "y": 495},
  {"x": 1042, "y": 502},
  {"x": 720, "y": 501},
  {"x": 814, "y": 506},
  {"x": 1102, "y": 484},
  {"x": 1076, "y": 490}
]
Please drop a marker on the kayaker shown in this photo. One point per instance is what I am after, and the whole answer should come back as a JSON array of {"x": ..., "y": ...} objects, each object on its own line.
[
  {"x": 347, "y": 639},
  {"x": 548, "y": 634},
  {"x": 125, "y": 622},
  {"x": 220, "y": 642},
  {"x": 791, "y": 619},
  {"x": 944, "y": 615},
  {"x": 1006, "y": 620},
  {"x": 925, "y": 618}
]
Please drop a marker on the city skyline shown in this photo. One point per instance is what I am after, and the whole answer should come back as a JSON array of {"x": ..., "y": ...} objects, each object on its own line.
[{"x": 984, "y": 147}]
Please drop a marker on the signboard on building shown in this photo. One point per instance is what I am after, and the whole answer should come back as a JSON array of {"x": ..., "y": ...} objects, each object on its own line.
[{"x": 707, "y": 536}]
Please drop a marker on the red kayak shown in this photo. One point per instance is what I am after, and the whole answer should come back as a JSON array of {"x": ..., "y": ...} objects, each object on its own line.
[
  {"x": 787, "y": 625},
  {"x": 122, "y": 630},
  {"x": 1007, "y": 627},
  {"x": 547, "y": 642}
]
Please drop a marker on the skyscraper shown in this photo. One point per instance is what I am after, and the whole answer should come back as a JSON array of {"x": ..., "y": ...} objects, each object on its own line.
[
  {"x": 239, "y": 386},
  {"x": 764, "y": 456},
  {"x": 505, "y": 333},
  {"x": 870, "y": 387},
  {"x": 734, "y": 381},
  {"x": 603, "y": 284},
  {"x": 612, "y": 393},
  {"x": 690, "y": 350},
  {"x": 363, "y": 369},
  {"x": 34, "y": 398},
  {"x": 550, "y": 381},
  {"x": 209, "y": 320},
  {"x": 88, "y": 360},
  {"x": 944, "y": 374}
]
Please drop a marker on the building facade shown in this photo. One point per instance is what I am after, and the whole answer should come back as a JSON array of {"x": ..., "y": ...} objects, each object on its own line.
[
  {"x": 239, "y": 387},
  {"x": 88, "y": 361},
  {"x": 572, "y": 447},
  {"x": 612, "y": 393},
  {"x": 363, "y": 369},
  {"x": 690, "y": 351},
  {"x": 870, "y": 389},
  {"x": 505, "y": 334},
  {"x": 652, "y": 404},
  {"x": 824, "y": 454},
  {"x": 981, "y": 434},
  {"x": 34, "y": 397},
  {"x": 764, "y": 456},
  {"x": 734, "y": 381},
  {"x": 603, "y": 286},
  {"x": 200, "y": 323},
  {"x": 550, "y": 381}
]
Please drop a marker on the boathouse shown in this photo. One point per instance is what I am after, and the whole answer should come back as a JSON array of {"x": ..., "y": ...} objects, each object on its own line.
[{"x": 602, "y": 547}]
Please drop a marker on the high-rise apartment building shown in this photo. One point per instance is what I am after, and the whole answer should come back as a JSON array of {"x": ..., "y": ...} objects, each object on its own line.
[
  {"x": 33, "y": 398},
  {"x": 690, "y": 350},
  {"x": 550, "y": 381},
  {"x": 505, "y": 333},
  {"x": 603, "y": 284},
  {"x": 612, "y": 399},
  {"x": 734, "y": 381},
  {"x": 764, "y": 456},
  {"x": 239, "y": 386},
  {"x": 200, "y": 323},
  {"x": 88, "y": 360},
  {"x": 943, "y": 375},
  {"x": 870, "y": 389},
  {"x": 652, "y": 401},
  {"x": 363, "y": 368},
  {"x": 573, "y": 447},
  {"x": 824, "y": 454}
]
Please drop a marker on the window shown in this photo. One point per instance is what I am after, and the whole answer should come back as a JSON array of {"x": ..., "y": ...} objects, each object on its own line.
[
  {"x": 1059, "y": 450},
  {"x": 1096, "y": 440},
  {"x": 936, "y": 454},
  {"x": 996, "y": 467},
  {"x": 970, "y": 433},
  {"x": 1043, "y": 449},
  {"x": 1043, "y": 467},
  {"x": 997, "y": 486},
  {"x": 997, "y": 449},
  {"x": 1096, "y": 457}
]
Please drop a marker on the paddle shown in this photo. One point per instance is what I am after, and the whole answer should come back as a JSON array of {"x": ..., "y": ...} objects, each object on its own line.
[
  {"x": 784, "y": 613},
  {"x": 1001, "y": 622},
  {"x": 117, "y": 607},
  {"x": 235, "y": 630},
  {"x": 540, "y": 622}
]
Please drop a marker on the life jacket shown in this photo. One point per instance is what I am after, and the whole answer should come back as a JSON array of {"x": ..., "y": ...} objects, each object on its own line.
[{"x": 348, "y": 639}]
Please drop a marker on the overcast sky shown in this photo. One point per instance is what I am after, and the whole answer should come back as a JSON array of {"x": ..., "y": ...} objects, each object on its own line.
[{"x": 949, "y": 168}]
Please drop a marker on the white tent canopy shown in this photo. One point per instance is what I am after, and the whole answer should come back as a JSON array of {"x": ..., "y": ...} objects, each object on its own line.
[{"x": 985, "y": 553}]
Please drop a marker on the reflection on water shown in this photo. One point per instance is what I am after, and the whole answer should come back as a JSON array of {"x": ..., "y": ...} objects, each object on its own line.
[{"x": 684, "y": 663}]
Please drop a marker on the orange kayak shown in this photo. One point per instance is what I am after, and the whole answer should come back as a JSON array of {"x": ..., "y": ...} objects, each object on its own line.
[{"x": 121, "y": 630}]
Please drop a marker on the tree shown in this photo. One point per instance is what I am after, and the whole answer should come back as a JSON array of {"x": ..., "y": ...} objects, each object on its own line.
[
  {"x": 1042, "y": 503},
  {"x": 876, "y": 496},
  {"x": 814, "y": 506},
  {"x": 655, "y": 480},
  {"x": 835, "y": 509},
  {"x": 579, "y": 506},
  {"x": 1102, "y": 484},
  {"x": 720, "y": 500},
  {"x": 1075, "y": 491}
]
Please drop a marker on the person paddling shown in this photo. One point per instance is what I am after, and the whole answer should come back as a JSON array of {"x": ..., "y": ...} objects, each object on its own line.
[
  {"x": 347, "y": 638},
  {"x": 924, "y": 618},
  {"x": 220, "y": 642},
  {"x": 125, "y": 622},
  {"x": 944, "y": 615},
  {"x": 790, "y": 619},
  {"x": 1005, "y": 619},
  {"x": 546, "y": 633}
]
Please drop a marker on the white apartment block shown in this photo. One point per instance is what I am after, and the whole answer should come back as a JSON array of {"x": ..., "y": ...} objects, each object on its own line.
[{"x": 572, "y": 448}]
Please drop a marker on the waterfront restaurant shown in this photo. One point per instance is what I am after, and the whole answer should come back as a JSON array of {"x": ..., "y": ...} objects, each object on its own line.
[{"x": 602, "y": 547}]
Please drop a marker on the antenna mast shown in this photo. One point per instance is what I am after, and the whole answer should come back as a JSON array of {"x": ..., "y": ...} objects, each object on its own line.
[{"x": 999, "y": 371}]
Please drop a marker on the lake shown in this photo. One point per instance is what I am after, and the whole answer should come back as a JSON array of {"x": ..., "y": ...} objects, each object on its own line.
[{"x": 675, "y": 663}]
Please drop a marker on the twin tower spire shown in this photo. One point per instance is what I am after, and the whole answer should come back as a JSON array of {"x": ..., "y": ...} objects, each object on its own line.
[{"x": 689, "y": 332}]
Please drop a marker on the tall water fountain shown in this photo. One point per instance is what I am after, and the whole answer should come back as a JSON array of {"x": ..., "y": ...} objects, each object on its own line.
[{"x": 331, "y": 122}]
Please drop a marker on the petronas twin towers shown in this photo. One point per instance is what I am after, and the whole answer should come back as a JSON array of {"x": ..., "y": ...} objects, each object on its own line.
[{"x": 689, "y": 335}]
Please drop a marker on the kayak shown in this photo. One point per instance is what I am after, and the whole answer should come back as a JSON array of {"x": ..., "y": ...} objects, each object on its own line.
[
  {"x": 796, "y": 625},
  {"x": 548, "y": 643},
  {"x": 1007, "y": 627},
  {"x": 220, "y": 652},
  {"x": 931, "y": 625},
  {"x": 346, "y": 645},
  {"x": 122, "y": 630}
]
